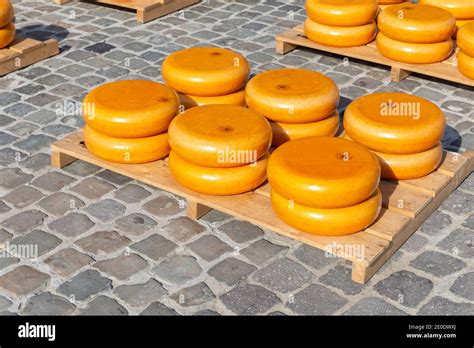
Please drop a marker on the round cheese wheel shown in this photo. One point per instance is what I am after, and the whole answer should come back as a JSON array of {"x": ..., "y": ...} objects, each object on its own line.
[
  {"x": 205, "y": 71},
  {"x": 130, "y": 108},
  {"x": 327, "y": 222},
  {"x": 218, "y": 181},
  {"x": 461, "y": 9},
  {"x": 323, "y": 172},
  {"x": 190, "y": 101},
  {"x": 122, "y": 150},
  {"x": 465, "y": 39},
  {"x": 393, "y": 122},
  {"x": 459, "y": 24},
  {"x": 390, "y": 2},
  {"x": 404, "y": 167},
  {"x": 413, "y": 53},
  {"x": 340, "y": 36},
  {"x": 6, "y": 12},
  {"x": 7, "y": 35},
  {"x": 342, "y": 13},
  {"x": 466, "y": 64},
  {"x": 416, "y": 23},
  {"x": 220, "y": 135},
  {"x": 283, "y": 132},
  {"x": 292, "y": 95}
]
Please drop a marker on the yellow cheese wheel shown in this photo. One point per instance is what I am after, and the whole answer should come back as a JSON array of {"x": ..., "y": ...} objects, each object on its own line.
[
  {"x": 190, "y": 101},
  {"x": 122, "y": 150},
  {"x": 292, "y": 95},
  {"x": 340, "y": 36},
  {"x": 413, "y": 53},
  {"x": 130, "y": 108},
  {"x": 459, "y": 24},
  {"x": 461, "y": 9},
  {"x": 390, "y": 2},
  {"x": 393, "y": 122},
  {"x": 283, "y": 132},
  {"x": 6, "y": 12},
  {"x": 342, "y": 13},
  {"x": 465, "y": 39},
  {"x": 327, "y": 222},
  {"x": 218, "y": 181},
  {"x": 220, "y": 135},
  {"x": 205, "y": 71},
  {"x": 466, "y": 64},
  {"x": 416, "y": 23},
  {"x": 403, "y": 167},
  {"x": 7, "y": 35},
  {"x": 323, "y": 172}
]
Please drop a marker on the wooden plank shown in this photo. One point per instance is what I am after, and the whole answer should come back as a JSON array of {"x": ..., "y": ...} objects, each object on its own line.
[
  {"x": 389, "y": 224},
  {"x": 451, "y": 163},
  {"x": 403, "y": 200},
  {"x": 431, "y": 184},
  {"x": 150, "y": 13},
  {"x": 26, "y": 45},
  {"x": 195, "y": 210}
]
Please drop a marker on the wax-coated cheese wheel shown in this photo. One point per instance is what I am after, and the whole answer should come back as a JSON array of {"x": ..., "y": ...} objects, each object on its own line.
[
  {"x": 339, "y": 36},
  {"x": 342, "y": 13},
  {"x": 292, "y": 95},
  {"x": 327, "y": 222},
  {"x": 416, "y": 23},
  {"x": 220, "y": 135},
  {"x": 7, "y": 35},
  {"x": 459, "y": 24},
  {"x": 390, "y": 2},
  {"x": 461, "y": 9},
  {"x": 130, "y": 108},
  {"x": 283, "y": 132},
  {"x": 466, "y": 64},
  {"x": 323, "y": 172},
  {"x": 205, "y": 71},
  {"x": 6, "y": 12},
  {"x": 465, "y": 39},
  {"x": 404, "y": 167},
  {"x": 393, "y": 122},
  {"x": 218, "y": 181},
  {"x": 122, "y": 150},
  {"x": 190, "y": 101},
  {"x": 413, "y": 53}
]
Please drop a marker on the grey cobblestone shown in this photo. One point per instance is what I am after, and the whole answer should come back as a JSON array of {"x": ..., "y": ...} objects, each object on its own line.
[
  {"x": 316, "y": 300},
  {"x": 194, "y": 295},
  {"x": 84, "y": 285},
  {"x": 231, "y": 270},
  {"x": 247, "y": 299},
  {"x": 437, "y": 263},
  {"x": 464, "y": 286},
  {"x": 48, "y": 304},
  {"x": 157, "y": 308},
  {"x": 442, "y": 306},
  {"x": 138, "y": 295},
  {"x": 135, "y": 224},
  {"x": 209, "y": 247},
  {"x": 106, "y": 210},
  {"x": 103, "y": 242},
  {"x": 241, "y": 231},
  {"x": 72, "y": 225},
  {"x": 373, "y": 306},
  {"x": 23, "y": 280},
  {"x": 154, "y": 247},
  {"x": 103, "y": 305},
  {"x": 43, "y": 242},
  {"x": 122, "y": 267},
  {"x": 178, "y": 269},
  {"x": 68, "y": 261}
]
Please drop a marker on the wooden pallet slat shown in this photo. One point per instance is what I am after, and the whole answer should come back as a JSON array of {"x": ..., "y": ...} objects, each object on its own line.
[
  {"x": 377, "y": 243},
  {"x": 446, "y": 70}
]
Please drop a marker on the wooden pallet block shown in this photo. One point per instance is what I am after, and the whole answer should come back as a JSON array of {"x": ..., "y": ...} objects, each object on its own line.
[
  {"x": 446, "y": 70},
  {"x": 25, "y": 51},
  {"x": 406, "y": 204},
  {"x": 146, "y": 10}
]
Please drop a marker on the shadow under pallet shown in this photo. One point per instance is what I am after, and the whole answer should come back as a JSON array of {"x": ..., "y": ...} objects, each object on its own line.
[
  {"x": 406, "y": 204},
  {"x": 446, "y": 70}
]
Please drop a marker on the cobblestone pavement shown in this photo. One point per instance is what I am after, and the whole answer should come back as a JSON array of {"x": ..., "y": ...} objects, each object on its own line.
[{"x": 110, "y": 245}]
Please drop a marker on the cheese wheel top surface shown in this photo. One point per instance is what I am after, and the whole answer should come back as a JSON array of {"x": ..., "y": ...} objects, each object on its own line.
[
  {"x": 6, "y": 12},
  {"x": 344, "y": 13},
  {"x": 205, "y": 71},
  {"x": 465, "y": 38},
  {"x": 393, "y": 122},
  {"x": 461, "y": 9},
  {"x": 416, "y": 23},
  {"x": 292, "y": 95},
  {"x": 130, "y": 108},
  {"x": 323, "y": 172},
  {"x": 220, "y": 135}
]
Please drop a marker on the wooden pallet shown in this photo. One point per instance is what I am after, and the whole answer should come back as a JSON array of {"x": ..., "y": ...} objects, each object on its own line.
[
  {"x": 24, "y": 51},
  {"x": 446, "y": 70},
  {"x": 407, "y": 204},
  {"x": 146, "y": 10}
]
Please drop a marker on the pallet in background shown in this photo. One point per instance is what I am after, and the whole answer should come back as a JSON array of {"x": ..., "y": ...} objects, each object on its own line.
[
  {"x": 406, "y": 204},
  {"x": 24, "y": 51},
  {"x": 446, "y": 70},
  {"x": 146, "y": 10}
]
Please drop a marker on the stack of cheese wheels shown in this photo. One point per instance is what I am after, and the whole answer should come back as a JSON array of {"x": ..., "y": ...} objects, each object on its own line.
[
  {"x": 207, "y": 75},
  {"x": 219, "y": 149},
  {"x": 341, "y": 23},
  {"x": 7, "y": 28},
  {"x": 300, "y": 103},
  {"x": 415, "y": 34},
  {"x": 324, "y": 185},
  {"x": 462, "y": 10},
  {"x": 402, "y": 130},
  {"x": 127, "y": 121},
  {"x": 465, "y": 40}
]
